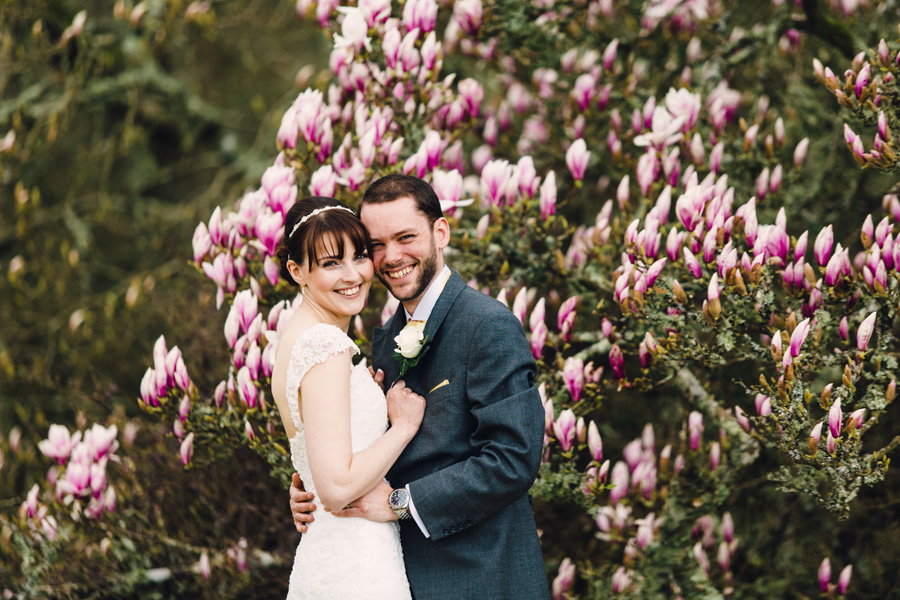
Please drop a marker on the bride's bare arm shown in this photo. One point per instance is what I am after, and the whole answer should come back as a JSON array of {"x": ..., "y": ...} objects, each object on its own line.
[{"x": 340, "y": 475}]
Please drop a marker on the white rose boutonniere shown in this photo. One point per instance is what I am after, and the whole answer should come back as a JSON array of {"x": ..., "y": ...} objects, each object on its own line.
[{"x": 410, "y": 342}]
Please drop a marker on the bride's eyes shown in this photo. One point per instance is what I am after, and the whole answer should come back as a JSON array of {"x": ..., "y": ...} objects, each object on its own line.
[{"x": 362, "y": 256}]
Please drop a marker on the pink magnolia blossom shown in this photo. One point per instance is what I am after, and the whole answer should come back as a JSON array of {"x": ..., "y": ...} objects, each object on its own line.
[
  {"x": 548, "y": 195},
  {"x": 563, "y": 581},
  {"x": 799, "y": 336},
  {"x": 323, "y": 182},
  {"x": 573, "y": 375},
  {"x": 187, "y": 449},
  {"x": 76, "y": 481},
  {"x": 246, "y": 308},
  {"x": 494, "y": 178},
  {"x": 538, "y": 314},
  {"x": 468, "y": 14},
  {"x": 844, "y": 579},
  {"x": 715, "y": 455},
  {"x": 101, "y": 440},
  {"x": 800, "y": 152},
  {"x": 621, "y": 579},
  {"x": 665, "y": 130},
  {"x": 617, "y": 361},
  {"x": 203, "y": 566},
  {"x": 566, "y": 309},
  {"x": 695, "y": 429},
  {"x": 59, "y": 443},
  {"x": 858, "y": 415},
  {"x": 692, "y": 264},
  {"x": 583, "y": 90},
  {"x": 448, "y": 187},
  {"x": 276, "y": 176},
  {"x": 595, "y": 443},
  {"x": 835, "y": 418},
  {"x": 577, "y": 158},
  {"x": 247, "y": 387},
  {"x": 201, "y": 243},
  {"x": 472, "y": 94},
  {"x": 862, "y": 80},
  {"x": 824, "y": 574},
  {"x": 564, "y": 429},
  {"x": 269, "y": 229},
  {"x": 539, "y": 340},
  {"x": 520, "y": 304},
  {"x": 31, "y": 501},
  {"x": 619, "y": 478},
  {"x": 684, "y": 104},
  {"x": 864, "y": 333},
  {"x": 742, "y": 418}
]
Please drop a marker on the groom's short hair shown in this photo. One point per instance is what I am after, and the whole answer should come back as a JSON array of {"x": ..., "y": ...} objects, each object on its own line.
[{"x": 395, "y": 186}]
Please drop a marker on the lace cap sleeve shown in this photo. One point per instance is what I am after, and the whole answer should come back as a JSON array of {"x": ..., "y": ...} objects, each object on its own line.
[{"x": 315, "y": 345}]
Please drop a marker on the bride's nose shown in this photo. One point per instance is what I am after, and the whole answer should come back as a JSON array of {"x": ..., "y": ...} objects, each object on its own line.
[{"x": 351, "y": 273}]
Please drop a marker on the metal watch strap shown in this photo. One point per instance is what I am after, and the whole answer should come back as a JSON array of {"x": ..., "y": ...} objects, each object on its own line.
[{"x": 402, "y": 512}]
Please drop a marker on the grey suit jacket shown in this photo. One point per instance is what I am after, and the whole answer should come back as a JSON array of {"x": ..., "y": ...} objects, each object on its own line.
[{"x": 476, "y": 454}]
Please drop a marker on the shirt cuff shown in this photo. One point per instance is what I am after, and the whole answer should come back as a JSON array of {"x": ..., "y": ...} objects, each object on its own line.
[{"x": 415, "y": 515}]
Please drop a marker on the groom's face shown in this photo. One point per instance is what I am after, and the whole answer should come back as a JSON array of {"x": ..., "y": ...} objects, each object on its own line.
[{"x": 406, "y": 247}]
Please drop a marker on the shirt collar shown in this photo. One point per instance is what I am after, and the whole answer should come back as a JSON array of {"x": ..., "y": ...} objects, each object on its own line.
[{"x": 430, "y": 298}]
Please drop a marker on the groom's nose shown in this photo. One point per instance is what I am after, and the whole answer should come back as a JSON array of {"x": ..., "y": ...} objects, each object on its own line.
[{"x": 392, "y": 256}]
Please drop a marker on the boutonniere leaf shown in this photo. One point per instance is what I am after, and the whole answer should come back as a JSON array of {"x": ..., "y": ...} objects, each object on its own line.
[{"x": 410, "y": 342}]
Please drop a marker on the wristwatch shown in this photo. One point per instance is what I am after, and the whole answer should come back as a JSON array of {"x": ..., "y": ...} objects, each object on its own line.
[{"x": 399, "y": 503}]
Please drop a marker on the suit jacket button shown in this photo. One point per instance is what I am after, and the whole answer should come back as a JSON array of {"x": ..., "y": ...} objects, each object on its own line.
[
  {"x": 462, "y": 525},
  {"x": 446, "y": 532},
  {"x": 469, "y": 522}
]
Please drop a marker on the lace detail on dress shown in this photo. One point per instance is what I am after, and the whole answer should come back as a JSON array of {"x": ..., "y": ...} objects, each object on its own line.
[
  {"x": 334, "y": 546},
  {"x": 315, "y": 345}
]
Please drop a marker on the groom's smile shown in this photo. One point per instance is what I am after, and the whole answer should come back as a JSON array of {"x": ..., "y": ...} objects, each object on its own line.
[
  {"x": 400, "y": 273},
  {"x": 406, "y": 253}
]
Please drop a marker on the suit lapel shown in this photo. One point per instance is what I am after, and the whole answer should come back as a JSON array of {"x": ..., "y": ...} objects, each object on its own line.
[{"x": 383, "y": 344}]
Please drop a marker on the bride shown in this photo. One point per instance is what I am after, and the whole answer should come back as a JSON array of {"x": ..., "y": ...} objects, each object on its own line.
[{"x": 334, "y": 413}]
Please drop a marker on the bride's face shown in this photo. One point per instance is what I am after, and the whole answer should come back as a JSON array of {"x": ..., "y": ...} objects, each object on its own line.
[{"x": 338, "y": 284}]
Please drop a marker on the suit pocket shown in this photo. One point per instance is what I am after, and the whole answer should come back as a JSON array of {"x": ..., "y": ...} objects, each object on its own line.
[{"x": 438, "y": 394}]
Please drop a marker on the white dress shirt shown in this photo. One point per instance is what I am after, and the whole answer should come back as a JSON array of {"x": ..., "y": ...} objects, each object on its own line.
[{"x": 422, "y": 312}]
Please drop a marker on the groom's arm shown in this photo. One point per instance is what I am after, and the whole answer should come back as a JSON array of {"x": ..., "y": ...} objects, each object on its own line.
[{"x": 508, "y": 435}]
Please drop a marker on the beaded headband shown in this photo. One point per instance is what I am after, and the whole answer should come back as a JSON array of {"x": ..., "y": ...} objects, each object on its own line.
[{"x": 314, "y": 213}]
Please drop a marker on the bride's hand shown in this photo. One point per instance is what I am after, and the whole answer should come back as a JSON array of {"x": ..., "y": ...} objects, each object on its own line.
[
  {"x": 405, "y": 407},
  {"x": 378, "y": 376}
]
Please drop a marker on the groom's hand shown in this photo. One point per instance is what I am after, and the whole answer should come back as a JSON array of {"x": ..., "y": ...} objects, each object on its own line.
[
  {"x": 302, "y": 505},
  {"x": 373, "y": 506}
]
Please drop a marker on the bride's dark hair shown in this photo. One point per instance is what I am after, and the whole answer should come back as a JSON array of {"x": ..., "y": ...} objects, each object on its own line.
[{"x": 322, "y": 232}]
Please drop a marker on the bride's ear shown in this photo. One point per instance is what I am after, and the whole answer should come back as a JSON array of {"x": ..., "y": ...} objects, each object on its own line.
[{"x": 296, "y": 274}]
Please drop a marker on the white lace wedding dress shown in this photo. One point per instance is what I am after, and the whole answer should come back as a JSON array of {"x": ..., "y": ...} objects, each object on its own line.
[{"x": 342, "y": 557}]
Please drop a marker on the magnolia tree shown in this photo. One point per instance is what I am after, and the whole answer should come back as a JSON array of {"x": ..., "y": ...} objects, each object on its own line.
[{"x": 636, "y": 198}]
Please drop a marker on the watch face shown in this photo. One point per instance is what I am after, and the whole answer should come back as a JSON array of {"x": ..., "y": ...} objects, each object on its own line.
[{"x": 399, "y": 498}]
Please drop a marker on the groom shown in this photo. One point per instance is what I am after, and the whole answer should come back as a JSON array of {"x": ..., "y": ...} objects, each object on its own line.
[{"x": 461, "y": 486}]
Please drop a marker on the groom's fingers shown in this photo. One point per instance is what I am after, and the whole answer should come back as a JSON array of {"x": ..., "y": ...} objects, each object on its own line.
[
  {"x": 349, "y": 511},
  {"x": 302, "y": 515}
]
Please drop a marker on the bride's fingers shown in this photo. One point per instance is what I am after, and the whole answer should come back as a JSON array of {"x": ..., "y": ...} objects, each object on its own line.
[{"x": 378, "y": 375}]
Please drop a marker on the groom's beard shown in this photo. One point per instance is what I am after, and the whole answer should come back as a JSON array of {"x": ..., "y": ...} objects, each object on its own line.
[{"x": 427, "y": 271}]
